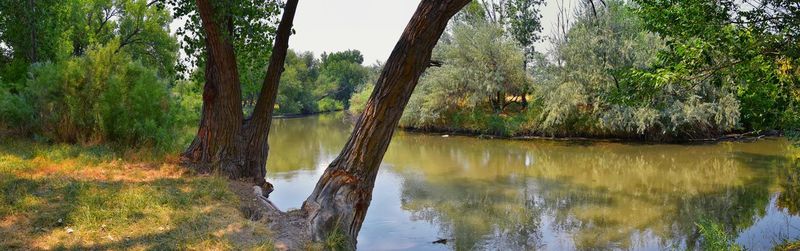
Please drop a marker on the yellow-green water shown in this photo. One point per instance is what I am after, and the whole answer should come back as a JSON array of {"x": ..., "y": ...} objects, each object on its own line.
[{"x": 546, "y": 195}]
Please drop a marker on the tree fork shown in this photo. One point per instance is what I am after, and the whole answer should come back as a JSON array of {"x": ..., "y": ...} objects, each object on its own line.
[
  {"x": 342, "y": 195},
  {"x": 225, "y": 142}
]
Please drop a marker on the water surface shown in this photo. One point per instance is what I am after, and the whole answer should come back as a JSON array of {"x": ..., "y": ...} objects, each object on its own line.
[{"x": 546, "y": 195}]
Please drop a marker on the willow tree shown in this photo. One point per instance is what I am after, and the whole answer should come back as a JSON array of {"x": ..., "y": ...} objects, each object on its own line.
[
  {"x": 343, "y": 193},
  {"x": 226, "y": 141}
]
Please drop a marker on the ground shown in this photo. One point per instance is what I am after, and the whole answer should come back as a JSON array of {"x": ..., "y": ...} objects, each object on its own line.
[{"x": 93, "y": 197}]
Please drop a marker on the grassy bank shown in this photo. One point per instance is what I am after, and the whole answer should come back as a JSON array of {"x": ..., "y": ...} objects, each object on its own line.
[{"x": 76, "y": 197}]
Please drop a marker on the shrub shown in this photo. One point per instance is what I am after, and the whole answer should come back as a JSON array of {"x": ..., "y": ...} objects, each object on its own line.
[
  {"x": 15, "y": 111},
  {"x": 329, "y": 104},
  {"x": 359, "y": 100},
  {"x": 103, "y": 96}
]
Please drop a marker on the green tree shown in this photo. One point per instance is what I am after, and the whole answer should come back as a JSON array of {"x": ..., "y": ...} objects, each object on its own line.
[
  {"x": 749, "y": 49},
  {"x": 480, "y": 72},
  {"x": 55, "y": 30},
  {"x": 297, "y": 82},
  {"x": 340, "y": 74}
]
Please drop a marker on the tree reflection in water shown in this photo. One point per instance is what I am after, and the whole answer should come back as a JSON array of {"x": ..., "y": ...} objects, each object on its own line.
[{"x": 524, "y": 195}]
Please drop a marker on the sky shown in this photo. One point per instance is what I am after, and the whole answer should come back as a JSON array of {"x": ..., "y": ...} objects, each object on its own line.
[{"x": 370, "y": 26}]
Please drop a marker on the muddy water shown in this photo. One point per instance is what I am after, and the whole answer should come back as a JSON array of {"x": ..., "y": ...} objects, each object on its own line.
[{"x": 544, "y": 195}]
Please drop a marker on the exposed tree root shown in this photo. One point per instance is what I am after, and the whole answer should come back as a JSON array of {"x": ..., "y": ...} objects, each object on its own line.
[{"x": 289, "y": 229}]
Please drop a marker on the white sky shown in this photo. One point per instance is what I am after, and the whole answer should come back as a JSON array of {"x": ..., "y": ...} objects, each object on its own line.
[{"x": 370, "y": 26}]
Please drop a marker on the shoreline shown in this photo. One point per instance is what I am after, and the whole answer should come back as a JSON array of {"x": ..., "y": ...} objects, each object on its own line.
[
  {"x": 300, "y": 115},
  {"x": 727, "y": 137}
]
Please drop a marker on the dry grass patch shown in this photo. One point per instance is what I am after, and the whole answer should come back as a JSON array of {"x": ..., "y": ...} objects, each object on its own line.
[{"x": 74, "y": 197}]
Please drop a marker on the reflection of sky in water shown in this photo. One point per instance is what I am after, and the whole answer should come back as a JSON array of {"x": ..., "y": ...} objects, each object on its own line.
[
  {"x": 516, "y": 195},
  {"x": 387, "y": 226}
]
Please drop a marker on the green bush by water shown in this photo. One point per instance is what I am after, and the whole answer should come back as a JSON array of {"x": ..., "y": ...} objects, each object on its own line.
[{"x": 102, "y": 97}]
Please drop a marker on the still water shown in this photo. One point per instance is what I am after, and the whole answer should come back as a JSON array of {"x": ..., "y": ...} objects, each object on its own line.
[{"x": 545, "y": 195}]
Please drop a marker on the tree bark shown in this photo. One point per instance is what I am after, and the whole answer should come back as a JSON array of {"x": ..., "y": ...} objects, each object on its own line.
[
  {"x": 225, "y": 142},
  {"x": 214, "y": 147},
  {"x": 257, "y": 127},
  {"x": 342, "y": 195}
]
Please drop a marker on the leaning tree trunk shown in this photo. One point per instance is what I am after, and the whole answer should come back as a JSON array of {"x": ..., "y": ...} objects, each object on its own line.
[
  {"x": 342, "y": 195},
  {"x": 256, "y": 129},
  {"x": 225, "y": 142}
]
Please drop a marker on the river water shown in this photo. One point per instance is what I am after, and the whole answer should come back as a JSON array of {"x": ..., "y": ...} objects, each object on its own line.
[{"x": 547, "y": 195}]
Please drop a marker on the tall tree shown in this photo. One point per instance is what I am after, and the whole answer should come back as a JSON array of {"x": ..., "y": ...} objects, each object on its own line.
[
  {"x": 225, "y": 141},
  {"x": 342, "y": 195},
  {"x": 521, "y": 20}
]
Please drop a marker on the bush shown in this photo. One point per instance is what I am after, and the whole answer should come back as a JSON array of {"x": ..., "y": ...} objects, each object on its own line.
[
  {"x": 329, "y": 104},
  {"x": 188, "y": 97},
  {"x": 15, "y": 111},
  {"x": 359, "y": 100},
  {"x": 101, "y": 97}
]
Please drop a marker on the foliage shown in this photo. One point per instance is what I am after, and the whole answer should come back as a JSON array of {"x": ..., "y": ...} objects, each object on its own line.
[
  {"x": 297, "y": 82},
  {"x": 480, "y": 71},
  {"x": 607, "y": 76},
  {"x": 724, "y": 43},
  {"x": 604, "y": 84},
  {"x": 310, "y": 85},
  {"x": 250, "y": 26},
  {"x": 519, "y": 18},
  {"x": 188, "y": 96},
  {"x": 329, "y": 104},
  {"x": 359, "y": 100},
  {"x": 340, "y": 74},
  {"x": 103, "y": 96},
  {"x": 67, "y": 28}
]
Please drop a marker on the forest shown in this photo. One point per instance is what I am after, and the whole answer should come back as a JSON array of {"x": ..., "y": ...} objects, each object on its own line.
[{"x": 116, "y": 115}]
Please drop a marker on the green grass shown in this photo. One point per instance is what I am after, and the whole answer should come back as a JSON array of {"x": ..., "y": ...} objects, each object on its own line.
[
  {"x": 75, "y": 197},
  {"x": 788, "y": 246}
]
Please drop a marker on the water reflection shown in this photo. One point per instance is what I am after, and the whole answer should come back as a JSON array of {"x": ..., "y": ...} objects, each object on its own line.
[{"x": 523, "y": 195}]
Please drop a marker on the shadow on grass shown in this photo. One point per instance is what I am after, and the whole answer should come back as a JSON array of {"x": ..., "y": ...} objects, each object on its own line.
[{"x": 68, "y": 210}]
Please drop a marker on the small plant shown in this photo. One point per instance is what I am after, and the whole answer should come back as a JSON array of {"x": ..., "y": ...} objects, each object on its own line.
[{"x": 336, "y": 240}]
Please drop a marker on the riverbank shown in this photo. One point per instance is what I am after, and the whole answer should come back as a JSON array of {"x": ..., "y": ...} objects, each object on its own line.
[
  {"x": 741, "y": 137},
  {"x": 60, "y": 196},
  {"x": 301, "y": 115}
]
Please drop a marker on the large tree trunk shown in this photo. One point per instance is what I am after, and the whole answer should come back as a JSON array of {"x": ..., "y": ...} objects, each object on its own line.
[
  {"x": 215, "y": 146},
  {"x": 225, "y": 142},
  {"x": 342, "y": 195}
]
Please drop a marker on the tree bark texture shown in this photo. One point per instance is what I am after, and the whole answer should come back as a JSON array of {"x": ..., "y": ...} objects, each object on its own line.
[
  {"x": 342, "y": 195},
  {"x": 226, "y": 143}
]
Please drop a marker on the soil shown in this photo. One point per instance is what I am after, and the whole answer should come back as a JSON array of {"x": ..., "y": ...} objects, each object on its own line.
[{"x": 289, "y": 229}]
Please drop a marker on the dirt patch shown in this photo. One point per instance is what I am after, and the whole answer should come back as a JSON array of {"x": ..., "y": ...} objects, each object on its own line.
[{"x": 290, "y": 229}]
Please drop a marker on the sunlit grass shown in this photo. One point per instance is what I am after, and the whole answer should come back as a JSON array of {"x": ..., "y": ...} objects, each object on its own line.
[{"x": 76, "y": 197}]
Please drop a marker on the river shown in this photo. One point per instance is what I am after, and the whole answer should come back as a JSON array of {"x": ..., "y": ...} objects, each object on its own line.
[{"x": 549, "y": 195}]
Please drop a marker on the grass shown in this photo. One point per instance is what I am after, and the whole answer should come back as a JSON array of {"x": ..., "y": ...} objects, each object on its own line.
[
  {"x": 92, "y": 197},
  {"x": 788, "y": 246}
]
